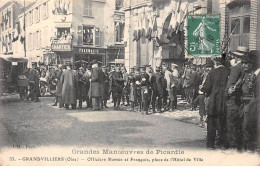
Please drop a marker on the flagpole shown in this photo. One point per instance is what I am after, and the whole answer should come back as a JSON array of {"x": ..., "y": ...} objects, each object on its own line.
[{"x": 24, "y": 44}]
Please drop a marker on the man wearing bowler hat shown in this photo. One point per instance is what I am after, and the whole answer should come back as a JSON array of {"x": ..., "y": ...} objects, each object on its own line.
[{"x": 234, "y": 93}]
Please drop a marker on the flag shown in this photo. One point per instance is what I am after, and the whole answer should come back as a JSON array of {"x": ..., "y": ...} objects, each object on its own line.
[
  {"x": 139, "y": 28},
  {"x": 171, "y": 25},
  {"x": 149, "y": 30},
  {"x": 154, "y": 31}
]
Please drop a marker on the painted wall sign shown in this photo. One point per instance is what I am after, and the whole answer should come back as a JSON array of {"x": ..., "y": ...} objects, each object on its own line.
[
  {"x": 85, "y": 50},
  {"x": 203, "y": 35},
  {"x": 61, "y": 47}
]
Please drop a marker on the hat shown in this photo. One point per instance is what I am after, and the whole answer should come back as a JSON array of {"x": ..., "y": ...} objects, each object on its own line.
[
  {"x": 241, "y": 51},
  {"x": 132, "y": 68},
  {"x": 174, "y": 65},
  {"x": 88, "y": 67},
  {"x": 209, "y": 63},
  {"x": 143, "y": 67},
  {"x": 94, "y": 61},
  {"x": 104, "y": 67}
]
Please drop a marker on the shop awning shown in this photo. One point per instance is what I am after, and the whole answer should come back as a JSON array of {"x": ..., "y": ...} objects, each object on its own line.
[{"x": 12, "y": 58}]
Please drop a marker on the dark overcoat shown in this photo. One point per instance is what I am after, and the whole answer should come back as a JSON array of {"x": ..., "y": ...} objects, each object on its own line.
[
  {"x": 68, "y": 87},
  {"x": 96, "y": 87},
  {"x": 215, "y": 89},
  {"x": 59, "y": 84}
]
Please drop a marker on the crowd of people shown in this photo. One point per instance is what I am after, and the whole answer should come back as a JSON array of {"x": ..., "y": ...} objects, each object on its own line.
[{"x": 225, "y": 90}]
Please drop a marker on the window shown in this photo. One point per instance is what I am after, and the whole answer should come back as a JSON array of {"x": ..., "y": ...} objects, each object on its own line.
[
  {"x": 87, "y": 35},
  {"x": 44, "y": 10},
  {"x": 45, "y": 37},
  {"x": 97, "y": 37},
  {"x": 30, "y": 44},
  {"x": 246, "y": 27},
  {"x": 37, "y": 39},
  {"x": 30, "y": 17},
  {"x": 119, "y": 31},
  {"x": 87, "y": 8},
  {"x": 37, "y": 14},
  {"x": 62, "y": 32},
  {"x": 235, "y": 26}
]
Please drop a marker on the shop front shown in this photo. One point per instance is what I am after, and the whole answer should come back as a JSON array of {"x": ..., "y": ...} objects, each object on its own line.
[
  {"x": 62, "y": 52},
  {"x": 84, "y": 55}
]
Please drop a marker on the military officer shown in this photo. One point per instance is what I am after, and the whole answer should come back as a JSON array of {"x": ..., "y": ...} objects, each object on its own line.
[
  {"x": 106, "y": 80},
  {"x": 145, "y": 90},
  {"x": 157, "y": 90}
]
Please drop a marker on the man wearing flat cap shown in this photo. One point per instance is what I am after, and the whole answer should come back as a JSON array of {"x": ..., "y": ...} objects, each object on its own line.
[{"x": 234, "y": 93}]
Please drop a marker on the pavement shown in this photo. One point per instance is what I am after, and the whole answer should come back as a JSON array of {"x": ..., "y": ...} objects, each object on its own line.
[{"x": 39, "y": 123}]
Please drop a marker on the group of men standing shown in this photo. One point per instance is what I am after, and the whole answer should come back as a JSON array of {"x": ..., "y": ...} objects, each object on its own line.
[{"x": 232, "y": 114}]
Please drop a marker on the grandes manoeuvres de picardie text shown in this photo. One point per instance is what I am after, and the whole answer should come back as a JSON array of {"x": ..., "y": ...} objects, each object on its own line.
[{"x": 129, "y": 75}]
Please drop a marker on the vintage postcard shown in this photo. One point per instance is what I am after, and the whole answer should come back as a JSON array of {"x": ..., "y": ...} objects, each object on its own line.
[{"x": 129, "y": 82}]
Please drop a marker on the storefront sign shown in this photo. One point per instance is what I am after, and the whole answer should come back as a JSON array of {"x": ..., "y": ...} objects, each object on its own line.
[
  {"x": 203, "y": 35},
  {"x": 85, "y": 50},
  {"x": 61, "y": 47}
]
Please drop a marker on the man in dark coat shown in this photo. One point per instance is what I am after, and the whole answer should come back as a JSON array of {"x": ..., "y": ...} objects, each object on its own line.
[
  {"x": 193, "y": 85},
  {"x": 145, "y": 90},
  {"x": 234, "y": 92},
  {"x": 34, "y": 78},
  {"x": 87, "y": 77},
  {"x": 106, "y": 79},
  {"x": 80, "y": 86},
  {"x": 214, "y": 88},
  {"x": 117, "y": 87},
  {"x": 96, "y": 86},
  {"x": 68, "y": 93},
  {"x": 248, "y": 109},
  {"x": 157, "y": 89}
]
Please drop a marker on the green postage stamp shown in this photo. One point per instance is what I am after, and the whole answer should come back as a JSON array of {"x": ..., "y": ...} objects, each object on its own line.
[{"x": 203, "y": 32}]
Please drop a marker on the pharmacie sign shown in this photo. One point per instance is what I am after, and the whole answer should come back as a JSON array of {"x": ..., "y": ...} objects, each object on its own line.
[
  {"x": 61, "y": 47},
  {"x": 85, "y": 50},
  {"x": 203, "y": 35}
]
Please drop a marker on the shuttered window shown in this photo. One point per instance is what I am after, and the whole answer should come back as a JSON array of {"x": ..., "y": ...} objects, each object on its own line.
[
  {"x": 97, "y": 37},
  {"x": 80, "y": 37},
  {"x": 87, "y": 8}
]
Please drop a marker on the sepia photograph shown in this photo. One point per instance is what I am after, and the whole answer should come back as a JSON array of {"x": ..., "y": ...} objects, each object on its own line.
[{"x": 129, "y": 82}]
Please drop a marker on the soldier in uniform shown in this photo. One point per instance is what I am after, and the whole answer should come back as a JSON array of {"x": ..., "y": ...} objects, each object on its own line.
[
  {"x": 58, "y": 74},
  {"x": 145, "y": 91},
  {"x": 106, "y": 79},
  {"x": 234, "y": 92},
  {"x": 132, "y": 88},
  {"x": 117, "y": 87},
  {"x": 125, "y": 96},
  {"x": 80, "y": 86},
  {"x": 157, "y": 90},
  {"x": 248, "y": 109},
  {"x": 137, "y": 85}
]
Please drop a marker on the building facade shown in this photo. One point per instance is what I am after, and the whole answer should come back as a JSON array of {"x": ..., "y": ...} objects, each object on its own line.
[
  {"x": 238, "y": 24},
  {"x": 8, "y": 15},
  {"x": 76, "y": 32}
]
